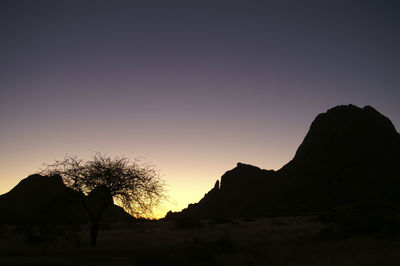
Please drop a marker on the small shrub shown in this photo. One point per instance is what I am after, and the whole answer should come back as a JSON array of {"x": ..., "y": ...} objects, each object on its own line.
[
  {"x": 366, "y": 217},
  {"x": 188, "y": 223},
  {"x": 222, "y": 221},
  {"x": 247, "y": 219}
]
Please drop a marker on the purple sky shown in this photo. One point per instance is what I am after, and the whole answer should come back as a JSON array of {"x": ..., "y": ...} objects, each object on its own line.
[{"x": 191, "y": 86}]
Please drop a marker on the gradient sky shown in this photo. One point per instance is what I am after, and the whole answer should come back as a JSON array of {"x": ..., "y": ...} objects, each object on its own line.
[{"x": 191, "y": 86}]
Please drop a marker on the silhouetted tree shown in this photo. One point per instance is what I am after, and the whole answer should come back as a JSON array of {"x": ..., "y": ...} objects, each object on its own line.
[{"x": 138, "y": 188}]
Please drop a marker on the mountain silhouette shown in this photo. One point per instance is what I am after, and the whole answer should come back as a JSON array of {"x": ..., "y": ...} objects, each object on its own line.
[
  {"x": 350, "y": 154},
  {"x": 41, "y": 199}
]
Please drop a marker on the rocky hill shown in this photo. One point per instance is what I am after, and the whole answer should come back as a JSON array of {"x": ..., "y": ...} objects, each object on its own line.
[
  {"x": 350, "y": 154},
  {"x": 46, "y": 200}
]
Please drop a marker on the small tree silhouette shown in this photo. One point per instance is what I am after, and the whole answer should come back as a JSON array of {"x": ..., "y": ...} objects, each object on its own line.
[{"x": 138, "y": 188}]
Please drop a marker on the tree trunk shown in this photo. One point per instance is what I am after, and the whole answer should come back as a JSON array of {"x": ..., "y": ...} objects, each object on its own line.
[{"x": 93, "y": 233}]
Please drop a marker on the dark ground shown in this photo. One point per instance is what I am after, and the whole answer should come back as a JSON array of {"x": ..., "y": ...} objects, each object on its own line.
[{"x": 269, "y": 241}]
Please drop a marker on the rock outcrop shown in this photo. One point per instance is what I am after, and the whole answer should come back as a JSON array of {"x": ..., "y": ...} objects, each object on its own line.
[
  {"x": 350, "y": 154},
  {"x": 46, "y": 200}
]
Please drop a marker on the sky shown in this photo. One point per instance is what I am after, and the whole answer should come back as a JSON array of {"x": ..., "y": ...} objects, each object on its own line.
[{"x": 192, "y": 87}]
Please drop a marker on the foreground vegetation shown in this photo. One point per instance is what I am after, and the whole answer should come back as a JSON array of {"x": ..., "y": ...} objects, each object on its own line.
[{"x": 274, "y": 241}]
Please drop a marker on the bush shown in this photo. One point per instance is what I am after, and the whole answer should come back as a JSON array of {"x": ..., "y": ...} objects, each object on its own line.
[
  {"x": 188, "y": 223},
  {"x": 366, "y": 217},
  {"x": 222, "y": 221}
]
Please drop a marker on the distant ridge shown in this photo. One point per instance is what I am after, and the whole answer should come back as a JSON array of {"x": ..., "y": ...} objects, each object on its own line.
[
  {"x": 41, "y": 199},
  {"x": 350, "y": 154}
]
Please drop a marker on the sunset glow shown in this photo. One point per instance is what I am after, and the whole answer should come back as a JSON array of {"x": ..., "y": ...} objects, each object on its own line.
[{"x": 192, "y": 89}]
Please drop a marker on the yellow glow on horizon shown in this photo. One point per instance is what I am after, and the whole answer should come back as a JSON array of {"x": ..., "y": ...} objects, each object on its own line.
[
  {"x": 190, "y": 171},
  {"x": 183, "y": 184}
]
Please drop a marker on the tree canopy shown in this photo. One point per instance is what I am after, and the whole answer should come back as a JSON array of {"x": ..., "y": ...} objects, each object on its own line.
[{"x": 138, "y": 188}]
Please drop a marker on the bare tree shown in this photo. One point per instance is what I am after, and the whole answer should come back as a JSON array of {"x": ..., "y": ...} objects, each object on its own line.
[{"x": 138, "y": 188}]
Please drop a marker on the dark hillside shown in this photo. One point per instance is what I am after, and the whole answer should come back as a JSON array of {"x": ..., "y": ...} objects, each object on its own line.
[
  {"x": 350, "y": 154},
  {"x": 44, "y": 199}
]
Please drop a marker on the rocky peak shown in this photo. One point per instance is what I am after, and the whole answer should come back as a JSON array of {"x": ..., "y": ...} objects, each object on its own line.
[
  {"x": 346, "y": 134},
  {"x": 242, "y": 175},
  {"x": 37, "y": 183},
  {"x": 350, "y": 154}
]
